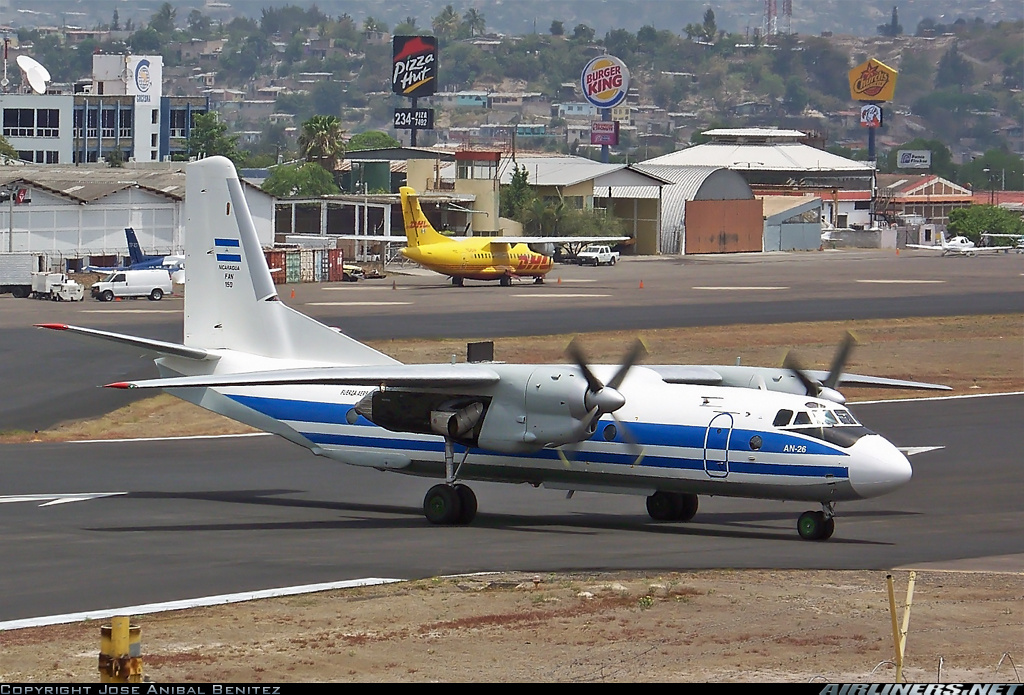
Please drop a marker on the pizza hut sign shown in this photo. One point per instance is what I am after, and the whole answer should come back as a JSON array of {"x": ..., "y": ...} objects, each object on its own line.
[{"x": 415, "y": 65}]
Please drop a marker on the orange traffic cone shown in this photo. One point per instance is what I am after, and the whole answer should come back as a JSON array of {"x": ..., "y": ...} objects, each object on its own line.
[
  {"x": 559, "y": 281},
  {"x": 897, "y": 252},
  {"x": 293, "y": 293},
  {"x": 641, "y": 284}
]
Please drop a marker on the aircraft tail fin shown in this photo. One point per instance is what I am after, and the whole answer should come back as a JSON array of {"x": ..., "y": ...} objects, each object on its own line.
[
  {"x": 231, "y": 301},
  {"x": 134, "y": 249},
  {"x": 418, "y": 230}
]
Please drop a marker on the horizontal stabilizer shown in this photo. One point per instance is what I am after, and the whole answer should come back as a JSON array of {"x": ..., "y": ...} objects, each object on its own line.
[
  {"x": 427, "y": 375},
  {"x": 146, "y": 344}
]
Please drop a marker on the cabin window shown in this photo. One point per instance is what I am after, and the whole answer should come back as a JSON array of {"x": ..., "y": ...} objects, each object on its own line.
[
  {"x": 845, "y": 417},
  {"x": 782, "y": 418},
  {"x": 755, "y": 442},
  {"x": 802, "y": 418}
]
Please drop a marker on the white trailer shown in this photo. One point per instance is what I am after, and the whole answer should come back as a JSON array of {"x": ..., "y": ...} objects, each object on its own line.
[
  {"x": 16, "y": 271},
  {"x": 57, "y": 287}
]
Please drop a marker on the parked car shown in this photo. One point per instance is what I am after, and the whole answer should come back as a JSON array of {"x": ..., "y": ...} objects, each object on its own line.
[
  {"x": 153, "y": 283},
  {"x": 596, "y": 254}
]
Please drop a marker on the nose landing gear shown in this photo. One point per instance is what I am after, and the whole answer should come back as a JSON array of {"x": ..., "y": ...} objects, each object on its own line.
[{"x": 817, "y": 526}]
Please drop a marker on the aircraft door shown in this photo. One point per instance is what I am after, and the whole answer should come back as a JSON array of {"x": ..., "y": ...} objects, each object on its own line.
[{"x": 716, "y": 445}]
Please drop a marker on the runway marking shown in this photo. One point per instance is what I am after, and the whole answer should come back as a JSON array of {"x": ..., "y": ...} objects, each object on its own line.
[
  {"x": 58, "y": 499},
  {"x": 566, "y": 280},
  {"x": 941, "y": 398},
  {"x": 567, "y": 296},
  {"x": 184, "y": 604},
  {"x": 131, "y": 311},
  {"x": 171, "y": 439},
  {"x": 903, "y": 282},
  {"x": 350, "y": 288},
  {"x": 357, "y": 303},
  {"x": 723, "y": 287}
]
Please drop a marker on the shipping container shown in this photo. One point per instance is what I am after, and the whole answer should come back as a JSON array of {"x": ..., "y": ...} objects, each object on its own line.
[
  {"x": 292, "y": 265},
  {"x": 305, "y": 265},
  {"x": 276, "y": 262}
]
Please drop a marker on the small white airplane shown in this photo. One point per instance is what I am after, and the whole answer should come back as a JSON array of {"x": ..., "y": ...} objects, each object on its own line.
[
  {"x": 962, "y": 246},
  {"x": 669, "y": 433}
]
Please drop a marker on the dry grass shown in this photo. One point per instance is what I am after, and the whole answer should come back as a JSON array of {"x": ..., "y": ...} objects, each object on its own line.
[{"x": 971, "y": 354}]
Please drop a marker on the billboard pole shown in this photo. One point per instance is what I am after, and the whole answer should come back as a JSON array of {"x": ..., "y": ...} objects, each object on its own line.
[{"x": 412, "y": 131}]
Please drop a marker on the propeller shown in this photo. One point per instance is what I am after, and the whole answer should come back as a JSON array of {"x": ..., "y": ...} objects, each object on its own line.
[
  {"x": 824, "y": 389},
  {"x": 601, "y": 399}
]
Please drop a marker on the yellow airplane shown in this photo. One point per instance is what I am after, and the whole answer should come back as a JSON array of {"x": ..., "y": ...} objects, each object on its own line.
[{"x": 479, "y": 258}]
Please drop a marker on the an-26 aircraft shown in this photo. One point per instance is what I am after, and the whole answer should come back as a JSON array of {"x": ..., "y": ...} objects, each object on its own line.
[{"x": 668, "y": 433}]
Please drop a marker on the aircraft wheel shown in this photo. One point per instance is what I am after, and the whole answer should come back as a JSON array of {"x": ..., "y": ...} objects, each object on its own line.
[
  {"x": 458, "y": 282},
  {"x": 539, "y": 280},
  {"x": 107, "y": 296},
  {"x": 687, "y": 507},
  {"x": 467, "y": 500},
  {"x": 156, "y": 295},
  {"x": 506, "y": 281},
  {"x": 442, "y": 505},
  {"x": 663, "y": 506},
  {"x": 813, "y": 526}
]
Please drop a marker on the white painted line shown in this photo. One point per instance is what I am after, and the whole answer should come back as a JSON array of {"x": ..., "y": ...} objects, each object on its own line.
[
  {"x": 358, "y": 303},
  {"x": 169, "y": 439},
  {"x": 903, "y": 282},
  {"x": 560, "y": 295},
  {"x": 940, "y": 398},
  {"x": 548, "y": 281},
  {"x": 50, "y": 500},
  {"x": 740, "y": 288},
  {"x": 131, "y": 311},
  {"x": 350, "y": 287},
  {"x": 184, "y": 604}
]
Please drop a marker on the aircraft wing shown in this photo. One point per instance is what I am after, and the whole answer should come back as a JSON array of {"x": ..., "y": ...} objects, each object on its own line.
[
  {"x": 374, "y": 238},
  {"x": 147, "y": 345},
  {"x": 926, "y": 247},
  {"x": 774, "y": 379},
  {"x": 423, "y": 375},
  {"x": 554, "y": 239}
]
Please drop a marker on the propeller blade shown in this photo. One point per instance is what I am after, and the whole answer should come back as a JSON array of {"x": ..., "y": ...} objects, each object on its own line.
[
  {"x": 637, "y": 450},
  {"x": 793, "y": 364},
  {"x": 576, "y": 353},
  {"x": 636, "y": 352},
  {"x": 835, "y": 372}
]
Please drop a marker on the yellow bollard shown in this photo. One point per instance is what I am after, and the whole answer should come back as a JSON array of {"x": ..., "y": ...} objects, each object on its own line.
[{"x": 120, "y": 652}]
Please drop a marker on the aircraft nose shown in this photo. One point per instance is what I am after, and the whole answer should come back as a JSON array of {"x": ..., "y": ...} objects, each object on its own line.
[{"x": 877, "y": 467}]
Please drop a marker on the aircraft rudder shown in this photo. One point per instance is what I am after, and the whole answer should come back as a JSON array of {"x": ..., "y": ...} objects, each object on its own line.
[{"x": 418, "y": 229}]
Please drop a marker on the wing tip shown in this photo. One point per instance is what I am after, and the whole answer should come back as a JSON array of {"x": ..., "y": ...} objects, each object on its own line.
[
  {"x": 53, "y": 326},
  {"x": 120, "y": 385}
]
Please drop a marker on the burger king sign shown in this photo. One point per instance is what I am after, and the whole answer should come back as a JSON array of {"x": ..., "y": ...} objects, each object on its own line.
[{"x": 605, "y": 81}]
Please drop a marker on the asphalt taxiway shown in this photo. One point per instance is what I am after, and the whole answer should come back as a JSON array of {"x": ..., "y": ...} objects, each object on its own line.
[{"x": 209, "y": 516}]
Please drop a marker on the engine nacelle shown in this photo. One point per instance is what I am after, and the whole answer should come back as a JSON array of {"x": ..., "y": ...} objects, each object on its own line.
[
  {"x": 548, "y": 249},
  {"x": 456, "y": 424}
]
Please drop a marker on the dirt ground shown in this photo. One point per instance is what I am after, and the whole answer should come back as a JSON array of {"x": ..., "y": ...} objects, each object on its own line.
[{"x": 713, "y": 625}]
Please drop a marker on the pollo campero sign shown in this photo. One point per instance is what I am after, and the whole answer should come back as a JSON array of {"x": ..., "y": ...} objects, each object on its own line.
[{"x": 415, "y": 65}]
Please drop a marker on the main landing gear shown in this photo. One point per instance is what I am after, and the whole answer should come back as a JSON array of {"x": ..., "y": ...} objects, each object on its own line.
[
  {"x": 817, "y": 526},
  {"x": 450, "y": 503},
  {"x": 671, "y": 506}
]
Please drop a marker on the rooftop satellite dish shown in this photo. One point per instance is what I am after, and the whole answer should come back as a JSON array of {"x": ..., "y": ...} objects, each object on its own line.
[{"x": 35, "y": 73}]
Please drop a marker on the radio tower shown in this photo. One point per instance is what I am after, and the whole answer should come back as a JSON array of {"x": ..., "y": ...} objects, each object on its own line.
[
  {"x": 770, "y": 22},
  {"x": 787, "y": 16}
]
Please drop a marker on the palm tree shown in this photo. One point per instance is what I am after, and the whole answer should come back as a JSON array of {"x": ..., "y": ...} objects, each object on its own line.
[
  {"x": 474, "y": 21},
  {"x": 446, "y": 24},
  {"x": 322, "y": 141}
]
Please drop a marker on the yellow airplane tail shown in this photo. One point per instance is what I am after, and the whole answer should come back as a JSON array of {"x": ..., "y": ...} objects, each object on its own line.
[{"x": 418, "y": 230}]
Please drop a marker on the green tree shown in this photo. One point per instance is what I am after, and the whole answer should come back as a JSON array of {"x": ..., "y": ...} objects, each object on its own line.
[
  {"x": 198, "y": 24},
  {"x": 371, "y": 140},
  {"x": 305, "y": 180},
  {"x": 446, "y": 24},
  {"x": 954, "y": 70},
  {"x": 163, "y": 21},
  {"x": 6, "y": 150},
  {"x": 146, "y": 40},
  {"x": 557, "y": 28},
  {"x": 517, "y": 195},
  {"x": 583, "y": 33},
  {"x": 209, "y": 137},
  {"x": 975, "y": 220},
  {"x": 473, "y": 22},
  {"x": 893, "y": 28},
  {"x": 322, "y": 141},
  {"x": 407, "y": 27},
  {"x": 709, "y": 26}
]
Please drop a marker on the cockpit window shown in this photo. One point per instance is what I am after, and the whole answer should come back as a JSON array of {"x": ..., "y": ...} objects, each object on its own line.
[
  {"x": 782, "y": 418},
  {"x": 846, "y": 417},
  {"x": 802, "y": 418}
]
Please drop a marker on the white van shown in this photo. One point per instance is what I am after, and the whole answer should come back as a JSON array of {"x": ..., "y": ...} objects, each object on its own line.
[{"x": 153, "y": 283}]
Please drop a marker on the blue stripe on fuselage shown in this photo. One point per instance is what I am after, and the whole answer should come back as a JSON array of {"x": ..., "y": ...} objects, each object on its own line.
[{"x": 644, "y": 434}]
